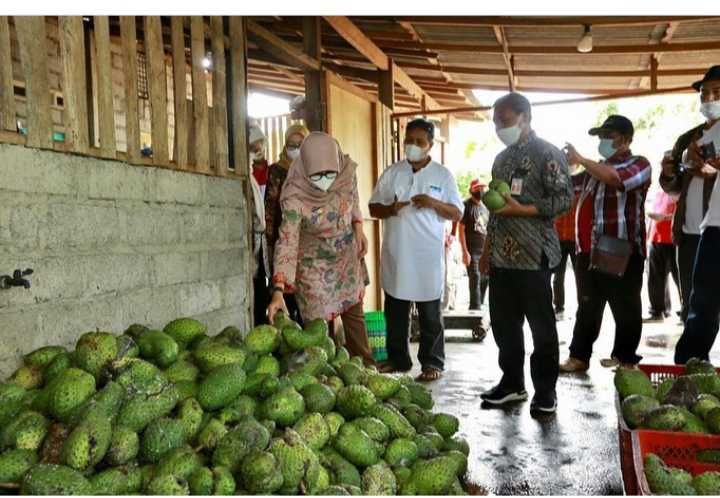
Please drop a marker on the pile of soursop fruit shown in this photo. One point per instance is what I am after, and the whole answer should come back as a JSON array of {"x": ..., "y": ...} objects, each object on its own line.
[
  {"x": 177, "y": 412},
  {"x": 688, "y": 403},
  {"x": 665, "y": 480}
]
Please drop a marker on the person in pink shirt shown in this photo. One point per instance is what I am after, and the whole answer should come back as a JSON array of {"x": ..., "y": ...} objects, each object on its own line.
[{"x": 662, "y": 256}]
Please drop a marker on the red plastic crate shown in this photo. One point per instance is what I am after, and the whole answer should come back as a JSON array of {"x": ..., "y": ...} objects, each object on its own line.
[
  {"x": 677, "y": 449},
  {"x": 657, "y": 374}
]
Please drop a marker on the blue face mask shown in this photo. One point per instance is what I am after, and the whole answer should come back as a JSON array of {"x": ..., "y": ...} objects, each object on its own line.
[{"x": 606, "y": 149}]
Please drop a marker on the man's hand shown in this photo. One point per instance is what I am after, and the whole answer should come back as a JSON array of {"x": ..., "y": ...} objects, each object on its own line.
[
  {"x": 512, "y": 207},
  {"x": 668, "y": 166},
  {"x": 277, "y": 303},
  {"x": 466, "y": 258},
  {"x": 573, "y": 157},
  {"x": 396, "y": 206},
  {"x": 362, "y": 241},
  {"x": 424, "y": 201}
]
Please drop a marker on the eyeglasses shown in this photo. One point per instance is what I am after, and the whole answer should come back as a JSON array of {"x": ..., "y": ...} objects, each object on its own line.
[{"x": 330, "y": 175}]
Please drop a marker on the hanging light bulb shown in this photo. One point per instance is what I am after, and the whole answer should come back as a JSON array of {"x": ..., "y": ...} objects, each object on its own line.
[
  {"x": 585, "y": 44},
  {"x": 207, "y": 61}
]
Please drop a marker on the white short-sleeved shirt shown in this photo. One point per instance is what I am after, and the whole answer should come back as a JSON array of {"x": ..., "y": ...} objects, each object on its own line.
[
  {"x": 712, "y": 218},
  {"x": 412, "y": 257}
]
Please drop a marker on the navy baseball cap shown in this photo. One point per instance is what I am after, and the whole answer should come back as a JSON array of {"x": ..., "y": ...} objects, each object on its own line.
[
  {"x": 712, "y": 74},
  {"x": 617, "y": 123}
]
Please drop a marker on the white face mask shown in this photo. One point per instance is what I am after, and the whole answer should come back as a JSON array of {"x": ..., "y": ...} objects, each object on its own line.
[
  {"x": 510, "y": 135},
  {"x": 414, "y": 154},
  {"x": 711, "y": 110},
  {"x": 323, "y": 183},
  {"x": 293, "y": 153},
  {"x": 257, "y": 156}
]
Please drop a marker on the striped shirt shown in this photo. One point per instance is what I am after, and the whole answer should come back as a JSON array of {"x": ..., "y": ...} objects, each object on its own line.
[
  {"x": 616, "y": 212},
  {"x": 541, "y": 174}
]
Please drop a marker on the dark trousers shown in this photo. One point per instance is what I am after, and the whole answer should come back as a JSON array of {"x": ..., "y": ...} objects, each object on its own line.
[
  {"x": 567, "y": 248},
  {"x": 703, "y": 318},
  {"x": 686, "y": 252},
  {"x": 478, "y": 282},
  {"x": 514, "y": 296},
  {"x": 595, "y": 290},
  {"x": 662, "y": 262},
  {"x": 261, "y": 293},
  {"x": 293, "y": 309},
  {"x": 432, "y": 333}
]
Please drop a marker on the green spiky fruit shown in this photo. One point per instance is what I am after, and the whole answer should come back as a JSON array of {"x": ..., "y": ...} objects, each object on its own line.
[
  {"x": 168, "y": 485},
  {"x": 26, "y": 431},
  {"x": 318, "y": 398},
  {"x": 395, "y": 421},
  {"x": 221, "y": 386},
  {"x": 124, "y": 446},
  {"x": 383, "y": 386},
  {"x": 94, "y": 351},
  {"x": 284, "y": 407},
  {"x": 87, "y": 444},
  {"x": 27, "y": 377},
  {"x": 184, "y": 331},
  {"x": 401, "y": 451},
  {"x": 263, "y": 339},
  {"x": 158, "y": 347},
  {"x": 355, "y": 401},
  {"x": 40, "y": 358},
  {"x": 447, "y": 425},
  {"x": 356, "y": 446},
  {"x": 161, "y": 436},
  {"x": 70, "y": 389},
  {"x": 314, "y": 430},
  {"x": 180, "y": 462},
  {"x": 379, "y": 479},
  {"x": 49, "y": 479},
  {"x": 212, "y": 356},
  {"x": 14, "y": 464},
  {"x": 260, "y": 473}
]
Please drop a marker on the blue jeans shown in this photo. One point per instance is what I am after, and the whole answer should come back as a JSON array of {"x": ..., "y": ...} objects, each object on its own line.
[{"x": 703, "y": 319}]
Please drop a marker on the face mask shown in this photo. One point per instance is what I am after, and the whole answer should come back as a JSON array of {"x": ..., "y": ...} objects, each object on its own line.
[
  {"x": 414, "y": 154},
  {"x": 606, "y": 148},
  {"x": 257, "y": 156},
  {"x": 510, "y": 135},
  {"x": 292, "y": 152},
  {"x": 323, "y": 183},
  {"x": 711, "y": 110}
]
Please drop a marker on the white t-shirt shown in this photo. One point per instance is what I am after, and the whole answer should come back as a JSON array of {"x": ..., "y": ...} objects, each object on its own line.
[
  {"x": 712, "y": 218},
  {"x": 694, "y": 206},
  {"x": 412, "y": 257}
]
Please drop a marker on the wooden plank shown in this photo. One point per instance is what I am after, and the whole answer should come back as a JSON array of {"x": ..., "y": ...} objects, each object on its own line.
[
  {"x": 199, "y": 94},
  {"x": 157, "y": 83},
  {"x": 75, "y": 91},
  {"x": 315, "y": 97},
  {"x": 132, "y": 124},
  {"x": 502, "y": 40},
  {"x": 8, "y": 118},
  {"x": 105, "y": 95},
  {"x": 355, "y": 37},
  {"x": 281, "y": 49},
  {"x": 180, "y": 154},
  {"x": 653, "y": 73},
  {"x": 349, "y": 87},
  {"x": 33, "y": 56},
  {"x": 220, "y": 124},
  {"x": 238, "y": 66},
  {"x": 405, "y": 81},
  {"x": 354, "y": 72}
]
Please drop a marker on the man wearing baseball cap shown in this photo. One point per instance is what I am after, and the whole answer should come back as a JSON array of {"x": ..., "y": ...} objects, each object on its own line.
[
  {"x": 611, "y": 206},
  {"x": 693, "y": 179},
  {"x": 472, "y": 231}
]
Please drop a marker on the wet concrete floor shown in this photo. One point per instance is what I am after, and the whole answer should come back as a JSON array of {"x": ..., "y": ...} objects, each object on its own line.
[{"x": 574, "y": 452}]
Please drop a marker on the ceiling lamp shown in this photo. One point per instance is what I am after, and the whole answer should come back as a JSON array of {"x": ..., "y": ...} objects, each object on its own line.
[{"x": 585, "y": 45}]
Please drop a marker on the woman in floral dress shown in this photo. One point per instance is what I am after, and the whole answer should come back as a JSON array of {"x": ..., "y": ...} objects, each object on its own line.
[
  {"x": 277, "y": 174},
  {"x": 320, "y": 250}
]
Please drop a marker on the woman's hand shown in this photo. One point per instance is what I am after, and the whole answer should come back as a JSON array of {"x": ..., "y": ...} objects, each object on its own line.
[
  {"x": 277, "y": 303},
  {"x": 362, "y": 241}
]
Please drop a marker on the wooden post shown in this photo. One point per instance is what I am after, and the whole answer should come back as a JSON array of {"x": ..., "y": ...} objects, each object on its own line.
[
  {"x": 157, "y": 81},
  {"x": 315, "y": 105},
  {"x": 653, "y": 72},
  {"x": 199, "y": 94},
  {"x": 180, "y": 154},
  {"x": 132, "y": 125},
  {"x": 103, "y": 56},
  {"x": 8, "y": 119},
  {"x": 386, "y": 86},
  {"x": 238, "y": 64},
  {"x": 33, "y": 56},
  {"x": 220, "y": 125}
]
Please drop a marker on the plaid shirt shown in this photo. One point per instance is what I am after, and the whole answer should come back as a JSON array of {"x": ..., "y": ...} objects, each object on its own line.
[{"x": 616, "y": 212}]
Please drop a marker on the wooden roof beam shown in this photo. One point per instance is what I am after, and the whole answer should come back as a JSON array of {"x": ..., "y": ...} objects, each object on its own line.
[
  {"x": 353, "y": 72},
  {"x": 507, "y": 57},
  {"x": 560, "y": 50},
  {"x": 373, "y": 53},
  {"x": 535, "y": 20},
  {"x": 281, "y": 49}
]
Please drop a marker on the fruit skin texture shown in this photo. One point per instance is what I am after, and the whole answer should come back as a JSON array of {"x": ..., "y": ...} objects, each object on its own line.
[
  {"x": 318, "y": 398},
  {"x": 40, "y": 358},
  {"x": 665, "y": 418},
  {"x": 401, "y": 451},
  {"x": 221, "y": 386},
  {"x": 69, "y": 390},
  {"x": 356, "y": 446},
  {"x": 395, "y": 421},
  {"x": 630, "y": 381},
  {"x": 447, "y": 425},
  {"x": 26, "y": 432},
  {"x": 88, "y": 443},
  {"x": 159, "y": 348},
  {"x": 379, "y": 480},
  {"x": 94, "y": 350},
  {"x": 284, "y": 407},
  {"x": 383, "y": 386},
  {"x": 168, "y": 485},
  {"x": 636, "y": 407},
  {"x": 355, "y": 401},
  {"x": 124, "y": 446},
  {"x": 15, "y": 463},
  {"x": 261, "y": 473},
  {"x": 48, "y": 479},
  {"x": 211, "y": 356},
  {"x": 263, "y": 339},
  {"x": 493, "y": 200},
  {"x": 161, "y": 436},
  {"x": 433, "y": 477},
  {"x": 707, "y": 483}
]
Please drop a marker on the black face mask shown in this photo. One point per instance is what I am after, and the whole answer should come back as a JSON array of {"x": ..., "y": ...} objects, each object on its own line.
[{"x": 477, "y": 195}]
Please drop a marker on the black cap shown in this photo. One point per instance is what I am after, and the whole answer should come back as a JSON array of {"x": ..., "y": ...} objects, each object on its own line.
[
  {"x": 712, "y": 74},
  {"x": 617, "y": 123}
]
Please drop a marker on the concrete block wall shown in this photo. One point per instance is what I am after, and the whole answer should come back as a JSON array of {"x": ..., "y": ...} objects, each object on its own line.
[{"x": 114, "y": 244}]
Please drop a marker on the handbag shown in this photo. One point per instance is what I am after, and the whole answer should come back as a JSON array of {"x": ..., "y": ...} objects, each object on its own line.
[{"x": 611, "y": 256}]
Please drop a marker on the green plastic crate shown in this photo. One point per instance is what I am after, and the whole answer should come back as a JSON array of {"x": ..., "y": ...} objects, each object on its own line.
[{"x": 377, "y": 334}]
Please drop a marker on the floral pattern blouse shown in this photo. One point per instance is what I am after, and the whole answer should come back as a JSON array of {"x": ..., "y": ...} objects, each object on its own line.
[{"x": 316, "y": 256}]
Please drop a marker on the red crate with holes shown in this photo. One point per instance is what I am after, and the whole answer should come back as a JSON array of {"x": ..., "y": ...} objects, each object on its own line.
[
  {"x": 677, "y": 449},
  {"x": 657, "y": 374}
]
